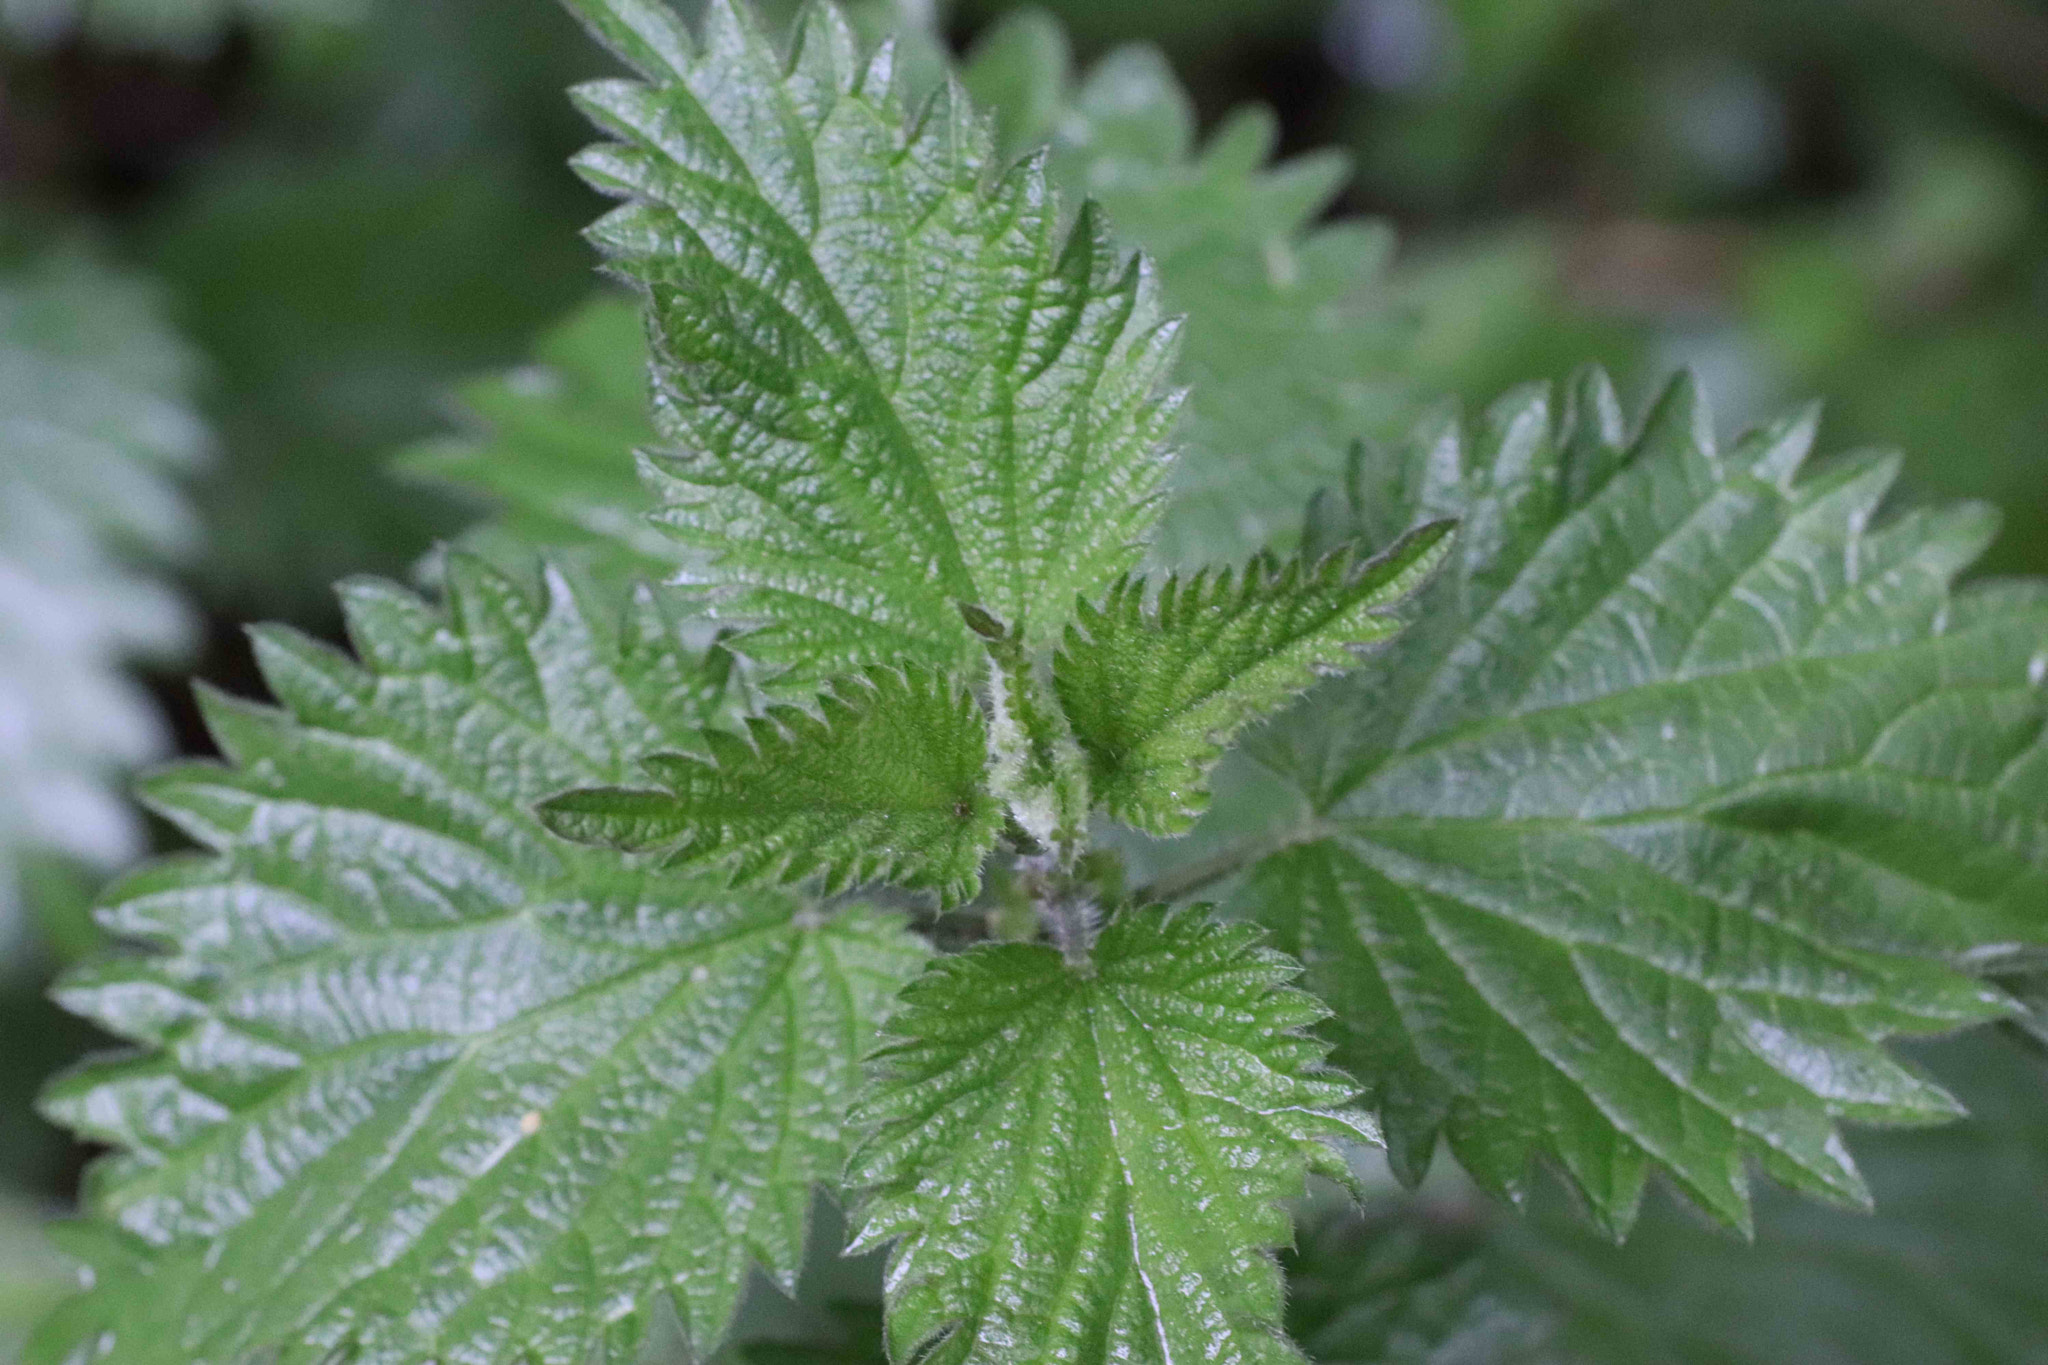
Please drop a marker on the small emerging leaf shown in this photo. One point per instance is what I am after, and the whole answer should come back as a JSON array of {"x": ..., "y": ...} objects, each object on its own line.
[
  {"x": 1154, "y": 693},
  {"x": 885, "y": 780},
  {"x": 1090, "y": 1166}
]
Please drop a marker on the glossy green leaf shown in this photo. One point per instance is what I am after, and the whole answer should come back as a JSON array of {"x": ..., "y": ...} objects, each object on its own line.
[
  {"x": 96, "y": 420},
  {"x": 890, "y": 379},
  {"x": 884, "y": 780},
  {"x": 1292, "y": 348},
  {"x": 1156, "y": 688},
  {"x": 1692, "y": 781},
  {"x": 416, "y": 1080},
  {"x": 1089, "y": 1165},
  {"x": 1292, "y": 353}
]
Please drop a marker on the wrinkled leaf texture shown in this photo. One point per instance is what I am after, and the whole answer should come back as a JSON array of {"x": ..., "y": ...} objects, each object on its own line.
[
  {"x": 1089, "y": 1166},
  {"x": 882, "y": 778},
  {"x": 893, "y": 380},
  {"x": 414, "y": 1079},
  {"x": 1692, "y": 781},
  {"x": 1158, "y": 679}
]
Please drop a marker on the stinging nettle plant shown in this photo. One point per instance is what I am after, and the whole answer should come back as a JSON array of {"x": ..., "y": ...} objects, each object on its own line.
[{"x": 545, "y": 957}]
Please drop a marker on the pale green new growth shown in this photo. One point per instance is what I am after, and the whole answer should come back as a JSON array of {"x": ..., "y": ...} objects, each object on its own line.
[
  {"x": 893, "y": 381},
  {"x": 1692, "y": 781},
  {"x": 417, "y": 1081},
  {"x": 885, "y": 780},
  {"x": 1089, "y": 1167},
  {"x": 1155, "y": 692}
]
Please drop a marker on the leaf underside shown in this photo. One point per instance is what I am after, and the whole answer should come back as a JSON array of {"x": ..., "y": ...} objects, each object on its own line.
[
  {"x": 1089, "y": 1167},
  {"x": 1685, "y": 788},
  {"x": 892, "y": 379},
  {"x": 415, "y": 1080},
  {"x": 884, "y": 780},
  {"x": 1155, "y": 689}
]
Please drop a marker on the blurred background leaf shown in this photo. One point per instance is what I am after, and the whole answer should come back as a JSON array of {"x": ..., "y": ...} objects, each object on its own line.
[{"x": 96, "y": 428}]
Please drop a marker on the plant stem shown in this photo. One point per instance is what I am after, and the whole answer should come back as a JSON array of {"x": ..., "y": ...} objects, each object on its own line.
[{"x": 1069, "y": 914}]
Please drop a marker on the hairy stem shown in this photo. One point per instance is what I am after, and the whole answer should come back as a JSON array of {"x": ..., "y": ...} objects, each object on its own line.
[{"x": 1066, "y": 908}]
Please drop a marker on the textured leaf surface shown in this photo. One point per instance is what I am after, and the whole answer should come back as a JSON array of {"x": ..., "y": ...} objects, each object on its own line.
[
  {"x": 893, "y": 381},
  {"x": 1156, "y": 689},
  {"x": 420, "y": 1082},
  {"x": 95, "y": 418},
  {"x": 1692, "y": 781},
  {"x": 1292, "y": 354},
  {"x": 1291, "y": 347},
  {"x": 884, "y": 780},
  {"x": 1088, "y": 1167}
]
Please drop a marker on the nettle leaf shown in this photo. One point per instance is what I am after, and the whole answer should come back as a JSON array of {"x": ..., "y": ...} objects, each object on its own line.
[
  {"x": 892, "y": 382},
  {"x": 419, "y": 1082},
  {"x": 548, "y": 448},
  {"x": 96, "y": 420},
  {"x": 1291, "y": 346},
  {"x": 1691, "y": 782},
  {"x": 885, "y": 780},
  {"x": 1293, "y": 353},
  {"x": 1089, "y": 1166},
  {"x": 1156, "y": 689}
]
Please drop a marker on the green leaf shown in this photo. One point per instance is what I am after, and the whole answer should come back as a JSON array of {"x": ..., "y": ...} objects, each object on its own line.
[
  {"x": 419, "y": 1082},
  {"x": 96, "y": 420},
  {"x": 1293, "y": 354},
  {"x": 1291, "y": 346},
  {"x": 890, "y": 382},
  {"x": 885, "y": 780},
  {"x": 549, "y": 450},
  {"x": 1156, "y": 691},
  {"x": 1691, "y": 782},
  {"x": 1089, "y": 1166}
]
